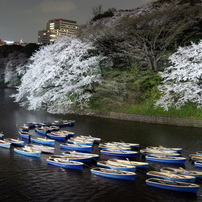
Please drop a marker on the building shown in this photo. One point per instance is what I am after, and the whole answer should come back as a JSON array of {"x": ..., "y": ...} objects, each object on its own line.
[{"x": 56, "y": 28}]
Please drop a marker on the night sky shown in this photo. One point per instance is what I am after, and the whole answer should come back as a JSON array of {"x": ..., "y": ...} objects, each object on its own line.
[{"x": 22, "y": 19}]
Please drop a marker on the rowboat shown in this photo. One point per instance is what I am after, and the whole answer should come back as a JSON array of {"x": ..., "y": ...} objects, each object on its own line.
[
  {"x": 59, "y": 137},
  {"x": 181, "y": 171},
  {"x": 63, "y": 132},
  {"x": 28, "y": 152},
  {"x": 1, "y": 135},
  {"x": 76, "y": 147},
  {"x": 25, "y": 135},
  {"x": 171, "y": 176},
  {"x": 117, "y": 166},
  {"x": 138, "y": 164},
  {"x": 146, "y": 152},
  {"x": 44, "y": 141},
  {"x": 126, "y": 144},
  {"x": 46, "y": 129},
  {"x": 89, "y": 138},
  {"x": 73, "y": 157},
  {"x": 82, "y": 154},
  {"x": 5, "y": 144},
  {"x": 30, "y": 125},
  {"x": 118, "y": 153},
  {"x": 112, "y": 173},
  {"x": 196, "y": 157},
  {"x": 15, "y": 142},
  {"x": 198, "y": 164},
  {"x": 42, "y": 148},
  {"x": 199, "y": 152},
  {"x": 65, "y": 163},
  {"x": 179, "y": 150},
  {"x": 173, "y": 185},
  {"x": 63, "y": 123},
  {"x": 23, "y": 128},
  {"x": 166, "y": 159},
  {"x": 86, "y": 138},
  {"x": 113, "y": 147},
  {"x": 80, "y": 142}
]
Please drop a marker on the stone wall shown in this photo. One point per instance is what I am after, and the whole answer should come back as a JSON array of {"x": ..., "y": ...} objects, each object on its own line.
[{"x": 167, "y": 120}]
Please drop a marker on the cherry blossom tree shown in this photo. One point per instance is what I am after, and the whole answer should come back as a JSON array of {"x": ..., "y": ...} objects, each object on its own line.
[
  {"x": 60, "y": 76},
  {"x": 182, "y": 81}
]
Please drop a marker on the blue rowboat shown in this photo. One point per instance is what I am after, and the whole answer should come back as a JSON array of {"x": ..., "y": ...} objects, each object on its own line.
[
  {"x": 24, "y": 129},
  {"x": 72, "y": 157},
  {"x": 80, "y": 142},
  {"x": 15, "y": 142},
  {"x": 166, "y": 159},
  {"x": 25, "y": 135},
  {"x": 5, "y": 144},
  {"x": 112, "y": 173},
  {"x": 42, "y": 148},
  {"x": 82, "y": 154},
  {"x": 117, "y": 166},
  {"x": 28, "y": 152},
  {"x": 65, "y": 163},
  {"x": 113, "y": 148},
  {"x": 63, "y": 132},
  {"x": 76, "y": 147},
  {"x": 198, "y": 164},
  {"x": 173, "y": 185},
  {"x": 146, "y": 152},
  {"x": 59, "y": 137},
  {"x": 1, "y": 135},
  {"x": 171, "y": 176},
  {"x": 181, "y": 171},
  {"x": 138, "y": 164},
  {"x": 44, "y": 141},
  {"x": 126, "y": 144},
  {"x": 161, "y": 148},
  {"x": 126, "y": 154}
]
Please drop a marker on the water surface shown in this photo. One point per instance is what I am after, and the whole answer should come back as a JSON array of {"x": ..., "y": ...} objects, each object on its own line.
[{"x": 30, "y": 179}]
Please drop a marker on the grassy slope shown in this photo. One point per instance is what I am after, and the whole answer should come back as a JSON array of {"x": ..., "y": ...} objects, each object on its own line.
[{"x": 132, "y": 92}]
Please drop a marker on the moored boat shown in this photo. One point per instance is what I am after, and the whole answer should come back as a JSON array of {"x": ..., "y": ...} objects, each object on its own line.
[
  {"x": 138, "y": 164},
  {"x": 126, "y": 144},
  {"x": 146, "y": 152},
  {"x": 80, "y": 142},
  {"x": 198, "y": 164},
  {"x": 117, "y": 166},
  {"x": 1, "y": 135},
  {"x": 113, "y": 147},
  {"x": 112, "y": 173},
  {"x": 65, "y": 163},
  {"x": 63, "y": 123},
  {"x": 59, "y": 137},
  {"x": 15, "y": 142},
  {"x": 25, "y": 135},
  {"x": 63, "y": 132},
  {"x": 27, "y": 152},
  {"x": 5, "y": 144},
  {"x": 179, "y": 150},
  {"x": 24, "y": 128},
  {"x": 44, "y": 141},
  {"x": 196, "y": 157},
  {"x": 118, "y": 153},
  {"x": 76, "y": 147},
  {"x": 83, "y": 154},
  {"x": 171, "y": 176},
  {"x": 42, "y": 148},
  {"x": 173, "y": 185},
  {"x": 182, "y": 171},
  {"x": 72, "y": 157},
  {"x": 166, "y": 159}
]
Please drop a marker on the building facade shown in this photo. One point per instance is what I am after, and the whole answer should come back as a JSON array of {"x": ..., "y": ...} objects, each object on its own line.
[{"x": 56, "y": 28}]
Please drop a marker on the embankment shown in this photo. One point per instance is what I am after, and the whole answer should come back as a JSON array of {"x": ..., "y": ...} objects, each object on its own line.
[{"x": 166, "y": 120}]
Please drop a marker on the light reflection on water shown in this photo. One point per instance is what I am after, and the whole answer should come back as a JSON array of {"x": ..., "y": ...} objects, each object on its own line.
[{"x": 30, "y": 179}]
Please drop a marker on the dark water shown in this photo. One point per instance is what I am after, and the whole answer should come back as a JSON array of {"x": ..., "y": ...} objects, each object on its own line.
[{"x": 30, "y": 179}]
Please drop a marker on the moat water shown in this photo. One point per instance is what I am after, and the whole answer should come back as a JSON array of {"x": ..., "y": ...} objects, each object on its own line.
[{"x": 30, "y": 179}]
